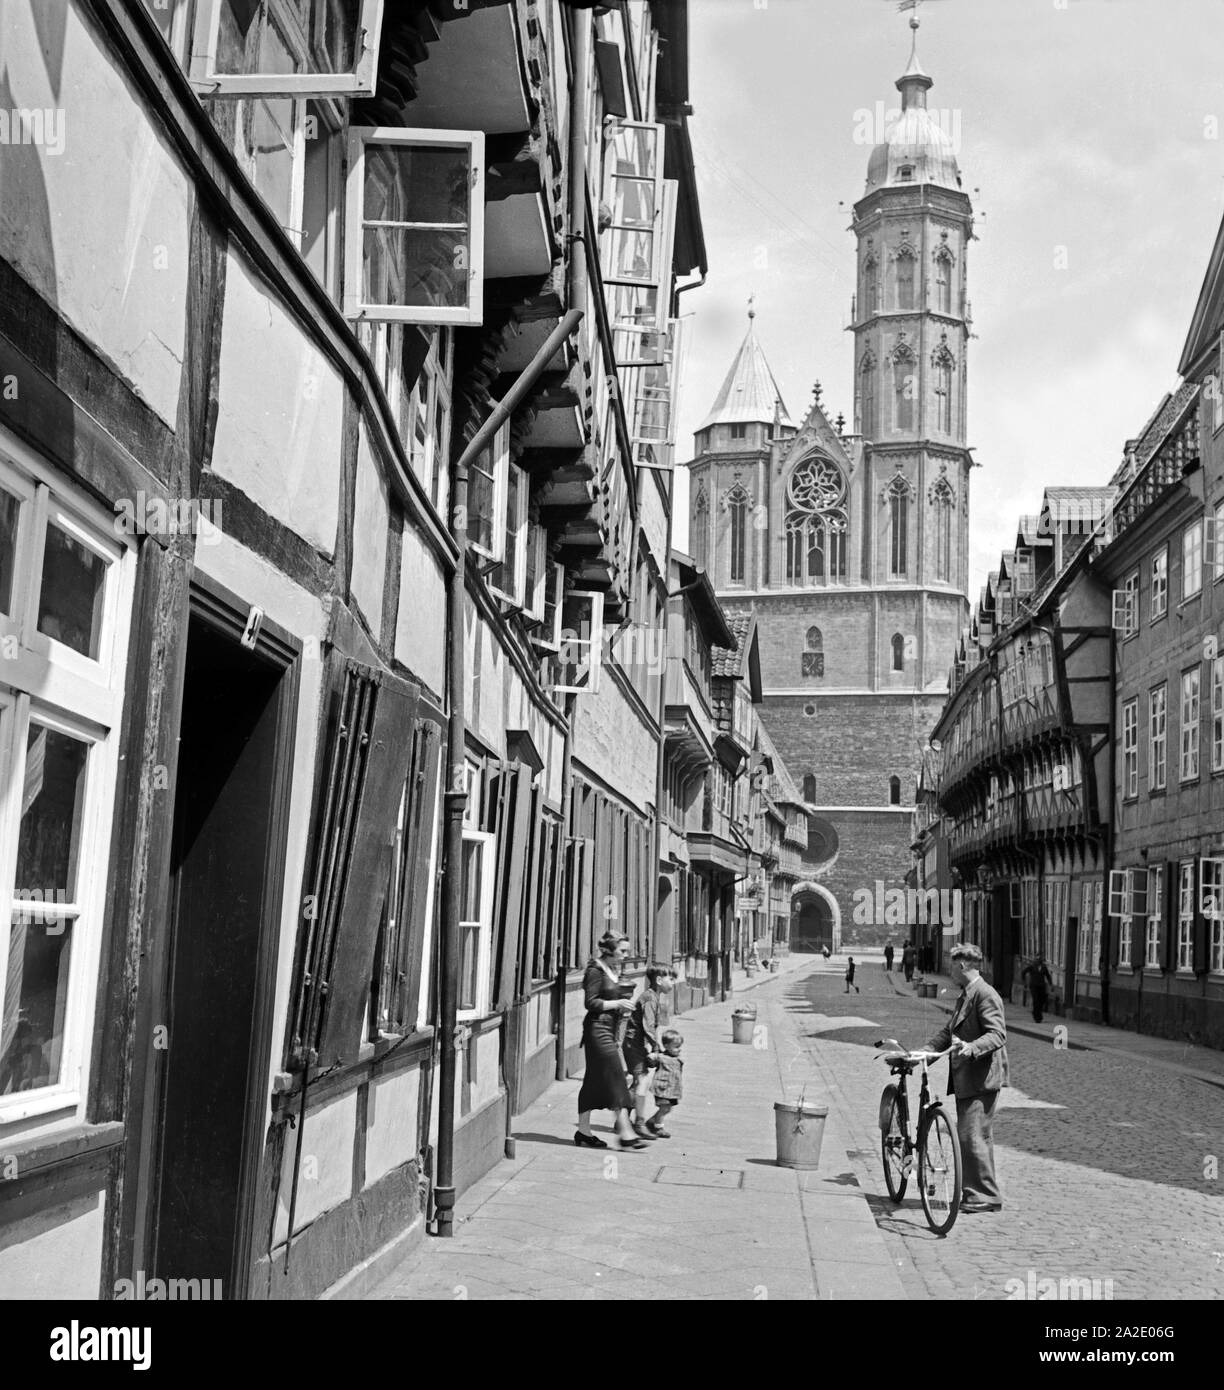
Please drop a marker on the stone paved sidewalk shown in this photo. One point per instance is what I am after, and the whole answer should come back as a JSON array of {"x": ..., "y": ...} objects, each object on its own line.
[{"x": 706, "y": 1214}]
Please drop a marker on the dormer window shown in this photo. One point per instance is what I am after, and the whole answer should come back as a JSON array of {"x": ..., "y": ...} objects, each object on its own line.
[
  {"x": 906, "y": 173},
  {"x": 739, "y": 431}
]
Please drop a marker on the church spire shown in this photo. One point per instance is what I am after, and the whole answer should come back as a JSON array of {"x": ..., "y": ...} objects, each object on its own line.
[
  {"x": 913, "y": 84},
  {"x": 749, "y": 394}
]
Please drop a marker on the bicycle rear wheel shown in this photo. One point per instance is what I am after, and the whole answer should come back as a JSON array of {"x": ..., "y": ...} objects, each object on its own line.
[
  {"x": 939, "y": 1171},
  {"x": 892, "y": 1142}
]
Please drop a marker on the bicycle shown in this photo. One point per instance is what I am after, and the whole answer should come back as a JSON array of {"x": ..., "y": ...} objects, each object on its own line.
[{"x": 937, "y": 1146}]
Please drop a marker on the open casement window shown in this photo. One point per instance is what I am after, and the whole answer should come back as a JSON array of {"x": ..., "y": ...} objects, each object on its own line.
[
  {"x": 538, "y": 572},
  {"x": 576, "y": 666},
  {"x": 414, "y": 238},
  {"x": 1125, "y": 612},
  {"x": 476, "y": 923},
  {"x": 1128, "y": 892},
  {"x": 1213, "y": 544},
  {"x": 1211, "y": 913},
  {"x": 631, "y": 249},
  {"x": 305, "y": 48},
  {"x": 640, "y": 313},
  {"x": 548, "y": 638},
  {"x": 509, "y": 579},
  {"x": 488, "y": 485},
  {"x": 365, "y": 766},
  {"x": 410, "y": 902},
  {"x": 512, "y": 818}
]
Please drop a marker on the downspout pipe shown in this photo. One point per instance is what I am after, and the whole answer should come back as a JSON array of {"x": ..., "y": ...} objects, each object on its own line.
[{"x": 455, "y": 799}]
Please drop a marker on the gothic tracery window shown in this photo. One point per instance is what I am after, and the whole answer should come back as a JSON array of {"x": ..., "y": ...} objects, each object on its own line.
[
  {"x": 897, "y": 494},
  {"x": 867, "y": 396},
  {"x": 905, "y": 385},
  {"x": 813, "y": 655},
  {"x": 816, "y": 523},
  {"x": 701, "y": 529},
  {"x": 871, "y": 283},
  {"x": 906, "y": 261},
  {"x": 943, "y": 280},
  {"x": 898, "y": 652},
  {"x": 736, "y": 502},
  {"x": 944, "y": 505},
  {"x": 944, "y": 364}
]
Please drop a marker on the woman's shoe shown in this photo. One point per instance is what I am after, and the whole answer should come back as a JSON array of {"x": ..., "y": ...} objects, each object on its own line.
[
  {"x": 658, "y": 1131},
  {"x": 633, "y": 1142},
  {"x": 642, "y": 1130},
  {"x": 588, "y": 1141}
]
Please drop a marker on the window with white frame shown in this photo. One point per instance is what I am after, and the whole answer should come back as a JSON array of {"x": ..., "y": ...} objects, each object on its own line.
[
  {"x": 476, "y": 924},
  {"x": 424, "y": 408},
  {"x": 1130, "y": 748},
  {"x": 509, "y": 579},
  {"x": 1211, "y": 903},
  {"x": 1158, "y": 737},
  {"x": 632, "y": 244},
  {"x": 1185, "y": 916},
  {"x": 1216, "y": 556},
  {"x": 65, "y": 609},
  {"x": 1128, "y": 899},
  {"x": 414, "y": 230},
  {"x": 1192, "y": 560},
  {"x": 1160, "y": 582},
  {"x": 1155, "y": 918},
  {"x": 1084, "y": 956},
  {"x": 1217, "y": 714},
  {"x": 1130, "y": 587},
  {"x": 488, "y": 485},
  {"x": 285, "y": 47},
  {"x": 1190, "y": 724}
]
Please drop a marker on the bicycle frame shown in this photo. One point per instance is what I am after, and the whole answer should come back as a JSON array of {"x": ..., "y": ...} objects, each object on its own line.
[{"x": 901, "y": 1140}]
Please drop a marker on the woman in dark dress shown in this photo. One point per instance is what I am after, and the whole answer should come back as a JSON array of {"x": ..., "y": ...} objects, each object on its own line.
[{"x": 603, "y": 1085}]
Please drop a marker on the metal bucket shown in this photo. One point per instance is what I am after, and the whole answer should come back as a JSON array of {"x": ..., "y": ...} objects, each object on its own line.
[
  {"x": 800, "y": 1132},
  {"x": 743, "y": 1026}
]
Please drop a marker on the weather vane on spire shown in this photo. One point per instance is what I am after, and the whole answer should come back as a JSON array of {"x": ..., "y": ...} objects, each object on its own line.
[{"x": 752, "y": 305}]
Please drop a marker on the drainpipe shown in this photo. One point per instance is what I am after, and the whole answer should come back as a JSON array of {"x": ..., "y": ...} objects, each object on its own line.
[
  {"x": 456, "y": 796},
  {"x": 567, "y": 797}
]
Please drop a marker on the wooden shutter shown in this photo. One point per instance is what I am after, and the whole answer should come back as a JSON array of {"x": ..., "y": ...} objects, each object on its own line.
[
  {"x": 1166, "y": 950},
  {"x": 513, "y": 841},
  {"x": 366, "y": 763},
  {"x": 420, "y": 865},
  {"x": 1202, "y": 925}
]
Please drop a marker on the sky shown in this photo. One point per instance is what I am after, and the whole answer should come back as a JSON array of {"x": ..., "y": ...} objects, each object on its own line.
[{"x": 1091, "y": 140}]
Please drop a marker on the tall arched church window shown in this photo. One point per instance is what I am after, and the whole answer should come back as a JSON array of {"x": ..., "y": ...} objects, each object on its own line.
[
  {"x": 871, "y": 283},
  {"x": 897, "y": 494},
  {"x": 944, "y": 364},
  {"x": 737, "y": 503},
  {"x": 894, "y": 791},
  {"x": 867, "y": 396},
  {"x": 906, "y": 262},
  {"x": 943, "y": 280},
  {"x": 701, "y": 529},
  {"x": 816, "y": 523},
  {"x": 905, "y": 385},
  {"x": 898, "y": 652},
  {"x": 813, "y": 656},
  {"x": 944, "y": 505}
]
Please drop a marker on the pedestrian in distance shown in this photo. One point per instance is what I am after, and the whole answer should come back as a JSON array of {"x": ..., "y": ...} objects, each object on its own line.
[
  {"x": 850, "y": 985},
  {"x": 977, "y": 1034},
  {"x": 603, "y": 1082},
  {"x": 908, "y": 959},
  {"x": 668, "y": 1082},
  {"x": 643, "y": 1046},
  {"x": 824, "y": 951},
  {"x": 888, "y": 958},
  {"x": 1038, "y": 978}
]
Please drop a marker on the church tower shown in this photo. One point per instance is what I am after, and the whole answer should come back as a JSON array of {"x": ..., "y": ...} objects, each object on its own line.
[{"x": 850, "y": 539}]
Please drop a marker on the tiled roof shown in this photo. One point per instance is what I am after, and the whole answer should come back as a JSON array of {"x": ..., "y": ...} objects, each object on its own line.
[{"x": 725, "y": 661}]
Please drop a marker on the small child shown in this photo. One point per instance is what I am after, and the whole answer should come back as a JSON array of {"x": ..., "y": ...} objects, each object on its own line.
[
  {"x": 668, "y": 1083},
  {"x": 642, "y": 1043},
  {"x": 850, "y": 978}
]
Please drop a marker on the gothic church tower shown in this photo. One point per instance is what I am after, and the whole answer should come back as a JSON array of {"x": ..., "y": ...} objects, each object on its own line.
[{"x": 852, "y": 543}]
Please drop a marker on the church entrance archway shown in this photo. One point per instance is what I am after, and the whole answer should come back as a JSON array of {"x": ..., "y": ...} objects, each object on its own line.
[{"x": 815, "y": 919}]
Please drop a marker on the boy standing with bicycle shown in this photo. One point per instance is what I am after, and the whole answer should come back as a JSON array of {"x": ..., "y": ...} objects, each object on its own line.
[{"x": 977, "y": 1035}]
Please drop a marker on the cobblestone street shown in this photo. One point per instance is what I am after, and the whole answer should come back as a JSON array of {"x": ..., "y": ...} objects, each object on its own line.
[{"x": 1101, "y": 1159}]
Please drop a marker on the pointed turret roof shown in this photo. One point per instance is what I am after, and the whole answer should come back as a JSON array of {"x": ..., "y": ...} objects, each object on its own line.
[{"x": 749, "y": 394}]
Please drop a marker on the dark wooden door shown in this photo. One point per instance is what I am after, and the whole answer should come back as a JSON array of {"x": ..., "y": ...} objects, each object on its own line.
[{"x": 224, "y": 899}]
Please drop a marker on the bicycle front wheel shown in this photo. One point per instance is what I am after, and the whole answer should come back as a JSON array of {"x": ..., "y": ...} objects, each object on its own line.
[
  {"x": 892, "y": 1142},
  {"x": 939, "y": 1171}
]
